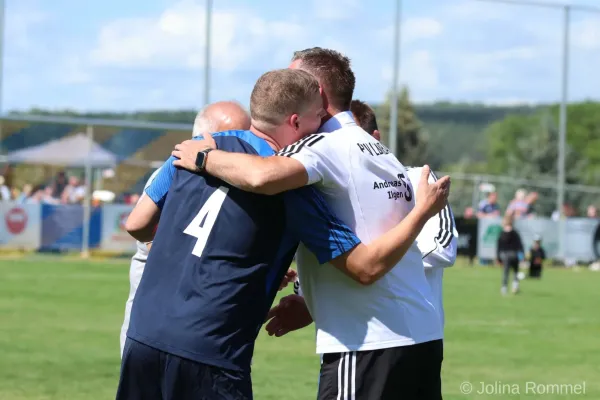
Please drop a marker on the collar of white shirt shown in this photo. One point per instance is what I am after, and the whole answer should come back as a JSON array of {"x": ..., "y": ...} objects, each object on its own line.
[{"x": 338, "y": 121}]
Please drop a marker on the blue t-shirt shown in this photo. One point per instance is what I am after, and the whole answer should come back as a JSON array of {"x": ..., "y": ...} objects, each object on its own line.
[
  {"x": 218, "y": 257},
  {"x": 488, "y": 208}
]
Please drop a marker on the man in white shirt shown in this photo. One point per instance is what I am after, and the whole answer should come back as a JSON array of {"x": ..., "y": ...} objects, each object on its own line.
[
  {"x": 216, "y": 117},
  {"x": 379, "y": 333},
  {"x": 438, "y": 243}
]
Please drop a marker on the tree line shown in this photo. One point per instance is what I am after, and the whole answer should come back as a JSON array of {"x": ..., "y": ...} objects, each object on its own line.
[{"x": 513, "y": 141}]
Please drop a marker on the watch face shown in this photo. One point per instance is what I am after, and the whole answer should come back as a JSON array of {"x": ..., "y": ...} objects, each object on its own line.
[{"x": 200, "y": 160}]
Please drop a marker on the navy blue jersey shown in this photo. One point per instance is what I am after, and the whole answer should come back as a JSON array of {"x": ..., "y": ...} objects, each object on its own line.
[{"x": 218, "y": 257}]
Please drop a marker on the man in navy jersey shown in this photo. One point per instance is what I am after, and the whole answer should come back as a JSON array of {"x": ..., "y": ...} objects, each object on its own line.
[{"x": 220, "y": 254}]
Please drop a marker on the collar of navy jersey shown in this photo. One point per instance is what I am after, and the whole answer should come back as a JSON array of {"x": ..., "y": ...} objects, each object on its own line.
[
  {"x": 259, "y": 144},
  {"x": 338, "y": 121}
]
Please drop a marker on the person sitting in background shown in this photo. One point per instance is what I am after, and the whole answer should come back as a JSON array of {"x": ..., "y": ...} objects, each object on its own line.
[
  {"x": 46, "y": 196},
  {"x": 59, "y": 185},
  {"x": 509, "y": 252},
  {"x": 25, "y": 194},
  {"x": 69, "y": 193},
  {"x": 133, "y": 199},
  {"x": 537, "y": 255},
  {"x": 15, "y": 193},
  {"x": 592, "y": 211},
  {"x": 531, "y": 199},
  {"x": 488, "y": 207},
  {"x": 4, "y": 190},
  {"x": 568, "y": 211},
  {"x": 469, "y": 213},
  {"x": 518, "y": 207}
]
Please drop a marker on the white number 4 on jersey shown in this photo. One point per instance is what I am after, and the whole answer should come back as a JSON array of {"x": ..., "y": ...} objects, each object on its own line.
[{"x": 208, "y": 213}]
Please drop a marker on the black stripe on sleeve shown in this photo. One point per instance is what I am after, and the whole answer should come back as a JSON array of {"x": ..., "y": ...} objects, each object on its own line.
[{"x": 295, "y": 148}]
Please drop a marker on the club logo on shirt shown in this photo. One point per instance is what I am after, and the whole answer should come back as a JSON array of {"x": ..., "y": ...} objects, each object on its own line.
[
  {"x": 400, "y": 183},
  {"x": 373, "y": 148}
]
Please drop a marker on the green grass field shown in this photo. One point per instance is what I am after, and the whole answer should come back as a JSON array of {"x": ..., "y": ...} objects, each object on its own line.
[{"x": 60, "y": 321}]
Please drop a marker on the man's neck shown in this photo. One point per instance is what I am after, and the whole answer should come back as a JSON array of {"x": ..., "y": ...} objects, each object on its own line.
[
  {"x": 331, "y": 112},
  {"x": 270, "y": 141}
]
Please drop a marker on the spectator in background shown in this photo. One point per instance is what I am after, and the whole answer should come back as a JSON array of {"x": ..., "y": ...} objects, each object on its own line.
[
  {"x": 133, "y": 199},
  {"x": 568, "y": 211},
  {"x": 518, "y": 207},
  {"x": 80, "y": 191},
  {"x": 47, "y": 196},
  {"x": 488, "y": 207},
  {"x": 67, "y": 196},
  {"x": 509, "y": 252},
  {"x": 15, "y": 193},
  {"x": 59, "y": 185},
  {"x": 537, "y": 255},
  {"x": 4, "y": 190},
  {"x": 592, "y": 211},
  {"x": 25, "y": 194},
  {"x": 531, "y": 199},
  {"x": 469, "y": 213}
]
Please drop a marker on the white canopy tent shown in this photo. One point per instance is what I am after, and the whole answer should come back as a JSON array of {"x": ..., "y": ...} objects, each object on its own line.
[{"x": 73, "y": 151}]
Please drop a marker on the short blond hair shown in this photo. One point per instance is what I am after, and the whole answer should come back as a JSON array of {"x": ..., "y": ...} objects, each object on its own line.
[{"x": 280, "y": 93}]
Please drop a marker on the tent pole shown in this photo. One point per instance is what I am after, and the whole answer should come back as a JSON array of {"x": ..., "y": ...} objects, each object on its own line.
[{"x": 87, "y": 207}]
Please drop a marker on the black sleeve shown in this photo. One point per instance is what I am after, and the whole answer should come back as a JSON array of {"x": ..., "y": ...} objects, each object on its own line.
[
  {"x": 518, "y": 241},
  {"x": 499, "y": 247},
  {"x": 543, "y": 253}
]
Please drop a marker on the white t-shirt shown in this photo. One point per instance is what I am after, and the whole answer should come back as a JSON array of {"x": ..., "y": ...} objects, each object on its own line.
[
  {"x": 368, "y": 189},
  {"x": 437, "y": 243},
  {"x": 136, "y": 269}
]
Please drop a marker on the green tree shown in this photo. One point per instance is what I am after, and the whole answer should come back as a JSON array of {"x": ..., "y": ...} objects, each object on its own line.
[
  {"x": 526, "y": 146},
  {"x": 412, "y": 139}
]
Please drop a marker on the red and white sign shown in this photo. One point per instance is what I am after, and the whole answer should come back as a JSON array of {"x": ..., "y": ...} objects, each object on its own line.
[
  {"x": 22, "y": 226},
  {"x": 16, "y": 220}
]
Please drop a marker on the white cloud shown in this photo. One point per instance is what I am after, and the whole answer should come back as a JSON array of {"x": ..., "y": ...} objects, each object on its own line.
[
  {"x": 419, "y": 72},
  {"x": 586, "y": 34},
  {"x": 413, "y": 29},
  {"x": 20, "y": 21},
  {"x": 480, "y": 11},
  {"x": 176, "y": 38},
  {"x": 73, "y": 71},
  {"x": 336, "y": 9}
]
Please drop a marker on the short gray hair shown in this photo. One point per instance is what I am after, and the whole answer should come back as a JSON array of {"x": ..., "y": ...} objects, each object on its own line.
[{"x": 203, "y": 124}]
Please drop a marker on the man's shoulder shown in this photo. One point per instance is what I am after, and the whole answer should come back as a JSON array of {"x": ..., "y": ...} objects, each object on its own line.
[
  {"x": 241, "y": 141},
  {"x": 310, "y": 142}
]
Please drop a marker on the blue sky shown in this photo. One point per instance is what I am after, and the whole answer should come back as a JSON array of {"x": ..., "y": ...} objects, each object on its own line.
[{"x": 148, "y": 54}]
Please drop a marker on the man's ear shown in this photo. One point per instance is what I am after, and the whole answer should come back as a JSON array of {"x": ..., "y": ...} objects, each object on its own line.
[
  {"x": 376, "y": 134},
  {"x": 294, "y": 122},
  {"x": 324, "y": 97}
]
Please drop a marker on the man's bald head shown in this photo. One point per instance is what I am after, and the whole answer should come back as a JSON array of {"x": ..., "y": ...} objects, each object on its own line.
[{"x": 221, "y": 116}]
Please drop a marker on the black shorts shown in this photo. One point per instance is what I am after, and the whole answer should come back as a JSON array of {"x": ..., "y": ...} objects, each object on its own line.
[
  {"x": 151, "y": 374},
  {"x": 397, "y": 373}
]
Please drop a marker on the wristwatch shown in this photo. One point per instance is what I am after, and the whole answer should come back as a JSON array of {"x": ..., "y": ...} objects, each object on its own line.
[{"x": 201, "y": 158}]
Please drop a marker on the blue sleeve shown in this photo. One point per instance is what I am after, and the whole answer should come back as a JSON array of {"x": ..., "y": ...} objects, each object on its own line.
[
  {"x": 312, "y": 222},
  {"x": 158, "y": 189}
]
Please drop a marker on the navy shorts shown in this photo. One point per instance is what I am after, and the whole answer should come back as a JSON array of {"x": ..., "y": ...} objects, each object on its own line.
[{"x": 151, "y": 374}]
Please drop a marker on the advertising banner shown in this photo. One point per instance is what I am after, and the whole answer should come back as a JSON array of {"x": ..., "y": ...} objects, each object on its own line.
[
  {"x": 62, "y": 227},
  {"x": 114, "y": 236},
  {"x": 582, "y": 237},
  {"x": 21, "y": 226}
]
